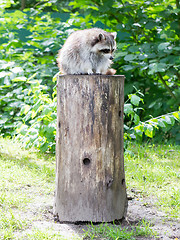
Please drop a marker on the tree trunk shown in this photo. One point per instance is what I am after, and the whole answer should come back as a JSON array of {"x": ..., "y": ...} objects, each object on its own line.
[
  {"x": 90, "y": 179},
  {"x": 23, "y": 4}
]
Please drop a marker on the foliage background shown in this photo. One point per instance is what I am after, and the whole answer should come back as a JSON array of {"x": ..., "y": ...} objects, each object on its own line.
[{"x": 148, "y": 55}]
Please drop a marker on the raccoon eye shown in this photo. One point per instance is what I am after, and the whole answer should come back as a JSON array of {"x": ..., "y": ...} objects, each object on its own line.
[{"x": 105, "y": 50}]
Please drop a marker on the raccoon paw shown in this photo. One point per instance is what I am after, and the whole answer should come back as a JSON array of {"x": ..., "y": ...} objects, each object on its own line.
[
  {"x": 90, "y": 72},
  {"x": 111, "y": 71}
]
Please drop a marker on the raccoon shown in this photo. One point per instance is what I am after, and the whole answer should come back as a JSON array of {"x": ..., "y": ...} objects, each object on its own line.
[{"x": 88, "y": 51}]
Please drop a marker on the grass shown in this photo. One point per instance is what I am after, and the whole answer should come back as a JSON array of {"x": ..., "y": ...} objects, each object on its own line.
[
  {"x": 110, "y": 232},
  {"x": 154, "y": 172},
  {"x": 27, "y": 178},
  {"x": 38, "y": 234},
  {"x": 9, "y": 223},
  {"x": 24, "y": 176}
]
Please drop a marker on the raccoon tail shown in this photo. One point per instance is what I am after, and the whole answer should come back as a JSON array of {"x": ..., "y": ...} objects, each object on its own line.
[{"x": 111, "y": 71}]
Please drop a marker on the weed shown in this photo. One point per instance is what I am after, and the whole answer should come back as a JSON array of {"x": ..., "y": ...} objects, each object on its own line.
[{"x": 114, "y": 232}]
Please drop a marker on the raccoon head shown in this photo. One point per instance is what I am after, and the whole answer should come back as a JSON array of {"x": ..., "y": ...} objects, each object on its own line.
[{"x": 104, "y": 44}]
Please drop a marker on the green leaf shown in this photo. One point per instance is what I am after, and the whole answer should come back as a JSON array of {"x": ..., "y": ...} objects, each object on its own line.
[
  {"x": 154, "y": 122},
  {"x": 134, "y": 99},
  {"x": 162, "y": 123},
  {"x": 133, "y": 49},
  {"x": 3, "y": 120},
  {"x": 163, "y": 46},
  {"x": 168, "y": 120},
  {"x": 44, "y": 146},
  {"x": 176, "y": 115},
  {"x": 128, "y": 109},
  {"x": 161, "y": 67},
  {"x": 19, "y": 79},
  {"x": 130, "y": 57},
  {"x": 22, "y": 129},
  {"x": 139, "y": 130},
  {"x": 25, "y": 109},
  {"x": 136, "y": 119},
  {"x": 172, "y": 120},
  {"x": 128, "y": 67},
  {"x": 3, "y": 74},
  {"x": 33, "y": 132},
  {"x": 150, "y": 25},
  {"x": 157, "y": 67},
  {"x": 120, "y": 54},
  {"x": 149, "y": 131}
]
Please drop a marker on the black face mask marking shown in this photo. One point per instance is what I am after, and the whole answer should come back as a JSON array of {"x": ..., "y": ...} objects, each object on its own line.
[{"x": 105, "y": 50}]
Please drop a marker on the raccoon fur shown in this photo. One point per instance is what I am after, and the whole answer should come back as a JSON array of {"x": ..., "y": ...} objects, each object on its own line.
[{"x": 88, "y": 51}]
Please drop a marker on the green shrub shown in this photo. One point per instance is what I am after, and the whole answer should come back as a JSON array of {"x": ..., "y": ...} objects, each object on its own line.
[{"x": 148, "y": 54}]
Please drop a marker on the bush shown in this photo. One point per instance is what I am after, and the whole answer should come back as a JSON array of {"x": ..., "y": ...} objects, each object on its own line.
[
  {"x": 148, "y": 54},
  {"x": 38, "y": 118},
  {"x": 25, "y": 58}
]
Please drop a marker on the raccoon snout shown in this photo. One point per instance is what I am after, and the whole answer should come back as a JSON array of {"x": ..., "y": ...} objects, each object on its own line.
[{"x": 111, "y": 58}]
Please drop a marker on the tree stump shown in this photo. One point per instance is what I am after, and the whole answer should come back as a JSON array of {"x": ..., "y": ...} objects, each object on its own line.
[{"x": 90, "y": 179}]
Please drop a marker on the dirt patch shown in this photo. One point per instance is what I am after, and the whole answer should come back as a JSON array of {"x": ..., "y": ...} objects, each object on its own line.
[{"x": 166, "y": 229}]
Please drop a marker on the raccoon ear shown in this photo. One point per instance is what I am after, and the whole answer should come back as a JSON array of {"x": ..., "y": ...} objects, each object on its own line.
[
  {"x": 114, "y": 34},
  {"x": 101, "y": 37}
]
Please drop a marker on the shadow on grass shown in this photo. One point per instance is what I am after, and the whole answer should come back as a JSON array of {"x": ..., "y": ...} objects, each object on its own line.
[{"x": 33, "y": 160}]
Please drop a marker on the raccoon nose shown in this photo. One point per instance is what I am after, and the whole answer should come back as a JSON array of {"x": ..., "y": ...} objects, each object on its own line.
[{"x": 111, "y": 58}]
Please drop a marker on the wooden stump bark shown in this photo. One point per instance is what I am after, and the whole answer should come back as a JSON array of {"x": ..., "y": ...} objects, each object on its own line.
[{"x": 90, "y": 179}]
